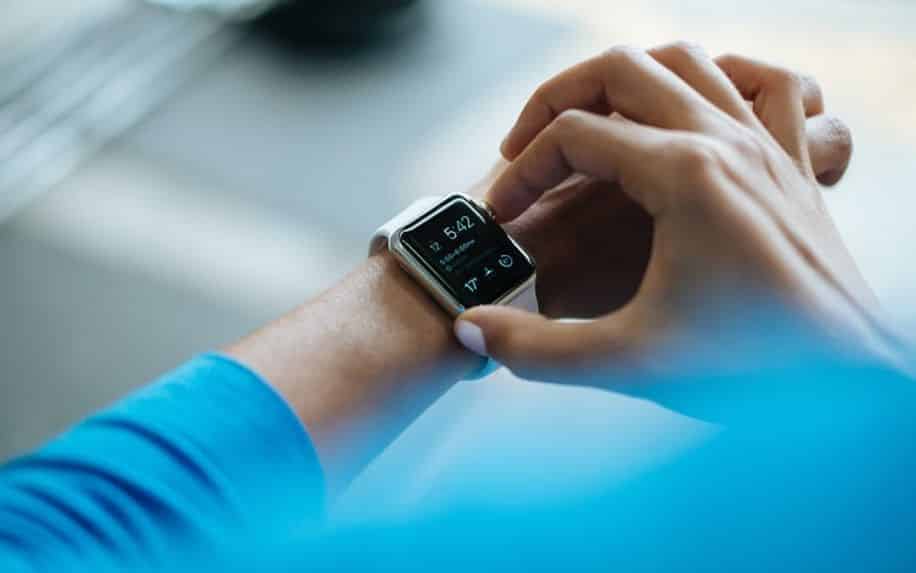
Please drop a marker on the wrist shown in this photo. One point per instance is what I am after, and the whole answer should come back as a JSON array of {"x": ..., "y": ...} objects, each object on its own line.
[
  {"x": 418, "y": 335},
  {"x": 360, "y": 362}
]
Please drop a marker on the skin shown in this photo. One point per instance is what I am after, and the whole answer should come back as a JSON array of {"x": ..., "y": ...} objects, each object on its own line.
[
  {"x": 361, "y": 361},
  {"x": 717, "y": 154}
]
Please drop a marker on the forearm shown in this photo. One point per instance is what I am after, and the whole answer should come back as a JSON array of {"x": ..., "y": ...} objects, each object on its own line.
[
  {"x": 359, "y": 363},
  {"x": 210, "y": 447}
]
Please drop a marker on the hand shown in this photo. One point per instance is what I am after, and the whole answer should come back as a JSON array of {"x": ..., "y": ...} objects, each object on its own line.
[
  {"x": 600, "y": 236},
  {"x": 564, "y": 228},
  {"x": 591, "y": 230},
  {"x": 733, "y": 196}
]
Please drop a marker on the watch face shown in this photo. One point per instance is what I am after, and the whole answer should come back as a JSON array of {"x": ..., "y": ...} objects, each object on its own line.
[{"x": 469, "y": 254}]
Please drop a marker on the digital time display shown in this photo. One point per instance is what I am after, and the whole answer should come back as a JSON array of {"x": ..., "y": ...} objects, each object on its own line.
[{"x": 470, "y": 254}]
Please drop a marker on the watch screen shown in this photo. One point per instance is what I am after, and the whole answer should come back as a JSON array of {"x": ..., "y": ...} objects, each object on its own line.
[{"x": 470, "y": 254}]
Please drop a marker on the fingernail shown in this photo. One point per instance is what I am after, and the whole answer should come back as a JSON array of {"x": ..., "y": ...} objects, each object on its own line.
[{"x": 471, "y": 337}]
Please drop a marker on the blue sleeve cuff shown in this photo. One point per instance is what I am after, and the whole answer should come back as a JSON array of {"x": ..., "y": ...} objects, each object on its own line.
[
  {"x": 232, "y": 429},
  {"x": 208, "y": 447}
]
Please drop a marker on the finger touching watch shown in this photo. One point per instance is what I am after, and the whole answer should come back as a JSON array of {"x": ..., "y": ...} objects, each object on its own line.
[{"x": 457, "y": 252}]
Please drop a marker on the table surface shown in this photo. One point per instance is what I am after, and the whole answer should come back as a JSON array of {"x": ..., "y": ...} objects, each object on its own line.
[{"x": 257, "y": 185}]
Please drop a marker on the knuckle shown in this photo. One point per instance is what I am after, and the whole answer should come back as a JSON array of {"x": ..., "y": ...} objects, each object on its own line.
[
  {"x": 623, "y": 55},
  {"x": 539, "y": 95},
  {"x": 728, "y": 58},
  {"x": 700, "y": 162},
  {"x": 785, "y": 80},
  {"x": 698, "y": 156},
  {"x": 683, "y": 51},
  {"x": 571, "y": 121},
  {"x": 730, "y": 63}
]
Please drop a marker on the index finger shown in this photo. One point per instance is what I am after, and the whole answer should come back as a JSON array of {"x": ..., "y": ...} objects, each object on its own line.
[
  {"x": 626, "y": 80},
  {"x": 581, "y": 142}
]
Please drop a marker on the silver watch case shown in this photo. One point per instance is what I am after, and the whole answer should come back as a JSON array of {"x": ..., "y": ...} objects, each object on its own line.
[{"x": 416, "y": 269}]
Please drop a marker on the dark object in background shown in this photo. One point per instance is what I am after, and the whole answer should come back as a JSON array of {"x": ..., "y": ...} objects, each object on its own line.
[{"x": 337, "y": 23}]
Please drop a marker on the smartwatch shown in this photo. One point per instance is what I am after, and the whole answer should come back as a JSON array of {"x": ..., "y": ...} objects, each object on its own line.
[{"x": 457, "y": 252}]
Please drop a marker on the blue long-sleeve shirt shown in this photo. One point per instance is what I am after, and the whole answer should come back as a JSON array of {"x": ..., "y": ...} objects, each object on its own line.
[
  {"x": 182, "y": 459},
  {"x": 208, "y": 467}
]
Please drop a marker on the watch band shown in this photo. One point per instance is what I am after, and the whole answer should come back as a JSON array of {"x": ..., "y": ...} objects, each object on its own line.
[
  {"x": 413, "y": 211},
  {"x": 524, "y": 300}
]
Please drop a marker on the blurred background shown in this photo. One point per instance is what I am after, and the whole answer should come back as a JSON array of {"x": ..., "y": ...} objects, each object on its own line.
[{"x": 170, "y": 178}]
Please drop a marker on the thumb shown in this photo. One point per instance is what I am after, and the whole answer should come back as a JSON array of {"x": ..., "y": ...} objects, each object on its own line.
[{"x": 538, "y": 348}]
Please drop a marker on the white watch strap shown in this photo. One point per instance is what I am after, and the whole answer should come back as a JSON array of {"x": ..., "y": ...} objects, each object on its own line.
[
  {"x": 413, "y": 211},
  {"x": 525, "y": 300}
]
